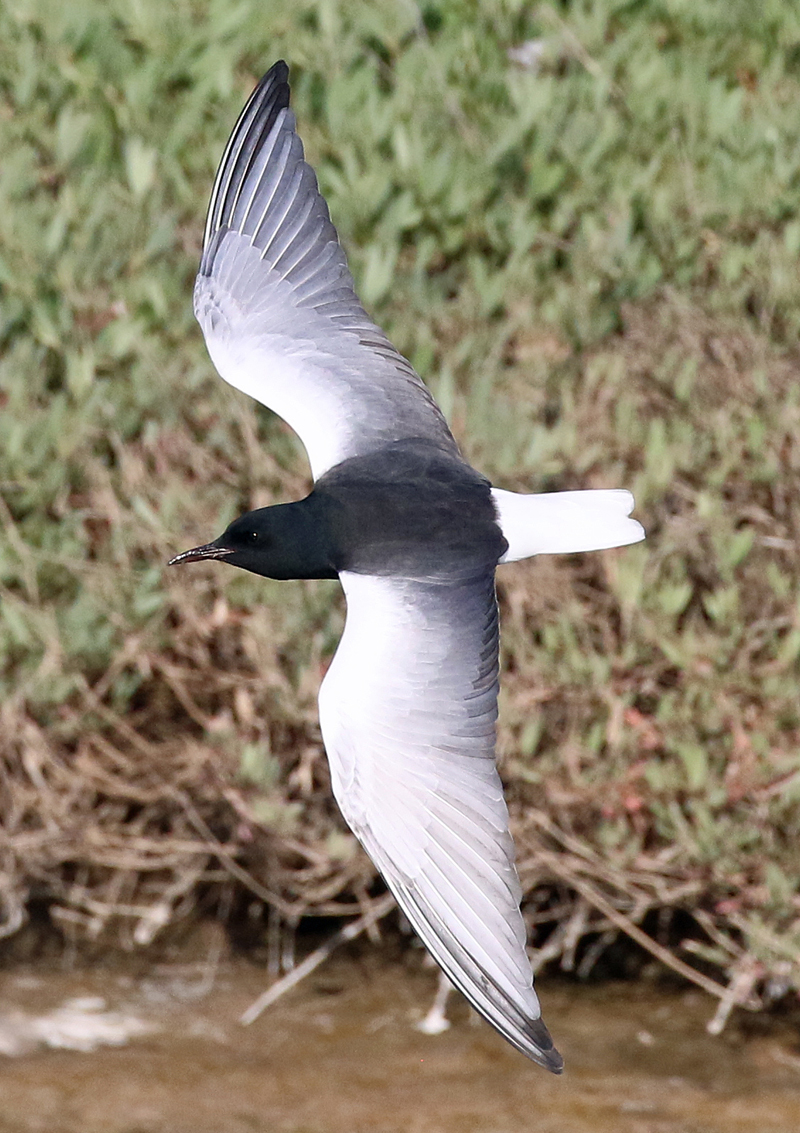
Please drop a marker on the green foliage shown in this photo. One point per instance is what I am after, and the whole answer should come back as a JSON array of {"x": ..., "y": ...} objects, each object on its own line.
[{"x": 592, "y": 261}]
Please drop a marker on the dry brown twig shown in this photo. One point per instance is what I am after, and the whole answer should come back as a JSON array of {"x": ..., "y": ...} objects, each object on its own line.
[{"x": 351, "y": 931}]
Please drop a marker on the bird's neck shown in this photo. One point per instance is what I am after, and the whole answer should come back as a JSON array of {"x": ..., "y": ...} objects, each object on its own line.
[{"x": 305, "y": 542}]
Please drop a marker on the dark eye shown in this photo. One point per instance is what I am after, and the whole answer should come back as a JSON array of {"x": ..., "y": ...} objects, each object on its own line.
[{"x": 253, "y": 536}]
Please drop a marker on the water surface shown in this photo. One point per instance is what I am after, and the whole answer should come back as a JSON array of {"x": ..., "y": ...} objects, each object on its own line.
[{"x": 340, "y": 1054}]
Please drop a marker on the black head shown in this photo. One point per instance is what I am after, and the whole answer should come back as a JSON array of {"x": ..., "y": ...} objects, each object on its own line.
[{"x": 285, "y": 541}]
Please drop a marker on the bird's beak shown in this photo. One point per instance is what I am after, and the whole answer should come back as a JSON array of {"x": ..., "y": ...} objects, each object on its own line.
[{"x": 207, "y": 551}]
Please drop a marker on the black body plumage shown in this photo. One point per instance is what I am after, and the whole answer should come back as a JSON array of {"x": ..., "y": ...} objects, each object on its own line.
[
  {"x": 412, "y": 511},
  {"x": 407, "y": 510}
]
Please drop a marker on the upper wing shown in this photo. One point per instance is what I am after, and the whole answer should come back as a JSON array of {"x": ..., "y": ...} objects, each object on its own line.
[
  {"x": 408, "y": 712},
  {"x": 277, "y": 305}
]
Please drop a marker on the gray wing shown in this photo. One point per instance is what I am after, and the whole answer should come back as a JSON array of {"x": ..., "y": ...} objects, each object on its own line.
[
  {"x": 408, "y": 710},
  {"x": 277, "y": 306}
]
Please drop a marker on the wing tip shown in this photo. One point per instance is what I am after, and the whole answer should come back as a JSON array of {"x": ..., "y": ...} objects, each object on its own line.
[
  {"x": 542, "y": 1048},
  {"x": 268, "y": 98},
  {"x": 276, "y": 78}
]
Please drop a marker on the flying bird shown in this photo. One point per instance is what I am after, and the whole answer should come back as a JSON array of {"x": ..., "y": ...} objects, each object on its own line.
[{"x": 414, "y": 534}]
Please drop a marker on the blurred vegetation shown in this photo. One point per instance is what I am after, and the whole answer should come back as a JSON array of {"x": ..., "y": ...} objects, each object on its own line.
[{"x": 580, "y": 221}]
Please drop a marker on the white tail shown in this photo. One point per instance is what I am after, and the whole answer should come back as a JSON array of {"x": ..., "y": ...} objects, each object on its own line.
[{"x": 563, "y": 522}]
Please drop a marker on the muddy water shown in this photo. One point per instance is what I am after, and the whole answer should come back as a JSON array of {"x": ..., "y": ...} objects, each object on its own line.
[{"x": 340, "y": 1054}]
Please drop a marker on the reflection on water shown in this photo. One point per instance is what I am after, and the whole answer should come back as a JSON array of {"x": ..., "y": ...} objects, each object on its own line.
[{"x": 340, "y": 1054}]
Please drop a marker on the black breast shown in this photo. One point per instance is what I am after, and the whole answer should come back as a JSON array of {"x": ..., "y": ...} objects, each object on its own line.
[{"x": 410, "y": 509}]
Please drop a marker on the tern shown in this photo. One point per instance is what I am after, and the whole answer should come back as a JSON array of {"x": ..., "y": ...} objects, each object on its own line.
[{"x": 414, "y": 534}]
